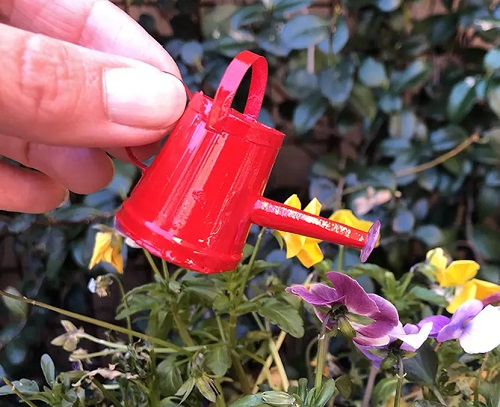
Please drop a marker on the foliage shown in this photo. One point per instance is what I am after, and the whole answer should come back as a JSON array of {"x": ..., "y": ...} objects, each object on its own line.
[{"x": 401, "y": 115}]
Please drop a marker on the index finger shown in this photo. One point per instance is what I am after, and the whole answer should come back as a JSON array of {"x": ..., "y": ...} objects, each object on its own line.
[{"x": 94, "y": 24}]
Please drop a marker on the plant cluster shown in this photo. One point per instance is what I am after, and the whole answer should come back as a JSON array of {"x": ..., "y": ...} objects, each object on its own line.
[{"x": 397, "y": 103}]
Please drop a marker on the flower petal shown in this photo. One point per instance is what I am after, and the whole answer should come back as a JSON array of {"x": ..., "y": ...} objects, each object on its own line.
[
  {"x": 454, "y": 329},
  {"x": 294, "y": 243},
  {"x": 293, "y": 201},
  {"x": 437, "y": 259},
  {"x": 102, "y": 242},
  {"x": 485, "y": 288},
  {"x": 462, "y": 294},
  {"x": 458, "y": 273},
  {"x": 348, "y": 218},
  {"x": 482, "y": 333},
  {"x": 356, "y": 299},
  {"x": 317, "y": 294},
  {"x": 491, "y": 299},
  {"x": 313, "y": 207},
  {"x": 361, "y": 339},
  {"x": 310, "y": 254},
  {"x": 386, "y": 319},
  {"x": 414, "y": 341},
  {"x": 365, "y": 350},
  {"x": 438, "y": 322}
]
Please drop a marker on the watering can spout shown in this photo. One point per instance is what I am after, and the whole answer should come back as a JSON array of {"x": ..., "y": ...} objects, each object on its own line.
[{"x": 285, "y": 218}]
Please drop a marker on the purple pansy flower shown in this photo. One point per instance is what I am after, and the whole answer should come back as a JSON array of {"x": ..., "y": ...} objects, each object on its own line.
[
  {"x": 476, "y": 327},
  {"x": 411, "y": 336},
  {"x": 370, "y": 316}
]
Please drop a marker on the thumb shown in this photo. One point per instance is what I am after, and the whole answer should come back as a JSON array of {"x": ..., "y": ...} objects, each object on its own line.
[{"x": 53, "y": 92}]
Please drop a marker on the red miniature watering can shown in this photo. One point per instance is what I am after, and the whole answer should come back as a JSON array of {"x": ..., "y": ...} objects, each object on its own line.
[{"x": 196, "y": 202}]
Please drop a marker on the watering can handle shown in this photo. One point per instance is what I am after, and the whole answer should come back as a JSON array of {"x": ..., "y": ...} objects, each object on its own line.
[{"x": 230, "y": 83}]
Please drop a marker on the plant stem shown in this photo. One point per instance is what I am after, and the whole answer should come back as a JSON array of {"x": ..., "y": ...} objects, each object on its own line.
[
  {"x": 221, "y": 329},
  {"x": 97, "y": 322},
  {"x": 105, "y": 352},
  {"x": 125, "y": 304},
  {"x": 478, "y": 379},
  {"x": 18, "y": 393},
  {"x": 249, "y": 267},
  {"x": 183, "y": 332},
  {"x": 323, "y": 342},
  {"x": 269, "y": 361},
  {"x": 278, "y": 362},
  {"x": 439, "y": 396},
  {"x": 474, "y": 138},
  {"x": 152, "y": 262},
  {"x": 399, "y": 385},
  {"x": 219, "y": 401},
  {"x": 369, "y": 386},
  {"x": 107, "y": 393},
  {"x": 340, "y": 258},
  {"x": 238, "y": 367},
  {"x": 103, "y": 342},
  {"x": 164, "y": 266}
]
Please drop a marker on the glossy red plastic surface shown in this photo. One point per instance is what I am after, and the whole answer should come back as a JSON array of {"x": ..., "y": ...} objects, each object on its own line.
[{"x": 194, "y": 206}]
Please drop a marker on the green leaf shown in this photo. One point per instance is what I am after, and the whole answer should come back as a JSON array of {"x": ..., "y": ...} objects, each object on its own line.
[
  {"x": 403, "y": 221},
  {"x": 422, "y": 368},
  {"x": 384, "y": 390},
  {"x": 336, "y": 82},
  {"x": 390, "y": 103},
  {"x": 338, "y": 40},
  {"x": 303, "y": 31},
  {"x": 248, "y": 401},
  {"x": 491, "y": 60},
  {"x": 431, "y": 235},
  {"x": 169, "y": 377},
  {"x": 363, "y": 101},
  {"x": 344, "y": 385},
  {"x": 461, "y": 99},
  {"x": 278, "y": 398},
  {"x": 288, "y": 6},
  {"x": 282, "y": 314},
  {"x": 493, "y": 97},
  {"x": 25, "y": 386},
  {"x": 204, "y": 386},
  {"x": 48, "y": 369},
  {"x": 17, "y": 308},
  {"x": 388, "y": 5},
  {"x": 403, "y": 125},
  {"x": 308, "y": 112},
  {"x": 414, "y": 74},
  {"x": 299, "y": 83},
  {"x": 325, "y": 394},
  {"x": 446, "y": 138},
  {"x": 186, "y": 389},
  {"x": 192, "y": 53},
  {"x": 372, "y": 74},
  {"x": 247, "y": 15},
  {"x": 427, "y": 295},
  {"x": 217, "y": 360},
  {"x": 427, "y": 403},
  {"x": 486, "y": 242}
]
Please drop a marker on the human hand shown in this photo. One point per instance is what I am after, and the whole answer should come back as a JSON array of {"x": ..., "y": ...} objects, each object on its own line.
[{"x": 91, "y": 82}]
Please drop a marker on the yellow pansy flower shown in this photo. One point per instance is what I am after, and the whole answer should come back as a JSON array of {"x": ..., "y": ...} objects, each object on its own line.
[
  {"x": 348, "y": 218},
  {"x": 108, "y": 248},
  {"x": 305, "y": 248},
  {"x": 459, "y": 274},
  {"x": 438, "y": 260}
]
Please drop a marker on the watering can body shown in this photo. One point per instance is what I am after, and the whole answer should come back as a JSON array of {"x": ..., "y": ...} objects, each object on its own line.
[{"x": 195, "y": 204}]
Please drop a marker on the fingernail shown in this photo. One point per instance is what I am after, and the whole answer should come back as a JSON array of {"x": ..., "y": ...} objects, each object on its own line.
[
  {"x": 143, "y": 98},
  {"x": 65, "y": 199}
]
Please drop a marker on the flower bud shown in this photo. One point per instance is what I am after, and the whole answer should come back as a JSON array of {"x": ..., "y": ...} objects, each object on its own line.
[{"x": 277, "y": 398}]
